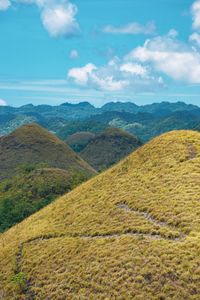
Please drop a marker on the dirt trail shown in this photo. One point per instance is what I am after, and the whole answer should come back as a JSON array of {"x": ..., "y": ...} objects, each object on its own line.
[
  {"x": 29, "y": 294},
  {"x": 192, "y": 152},
  {"x": 146, "y": 215}
]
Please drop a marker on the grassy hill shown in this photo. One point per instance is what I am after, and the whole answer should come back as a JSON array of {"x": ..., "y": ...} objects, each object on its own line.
[
  {"x": 36, "y": 167},
  {"x": 31, "y": 144},
  {"x": 133, "y": 232},
  {"x": 78, "y": 141},
  {"x": 109, "y": 147}
]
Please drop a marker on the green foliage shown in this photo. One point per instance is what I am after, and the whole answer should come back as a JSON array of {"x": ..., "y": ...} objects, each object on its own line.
[
  {"x": 19, "y": 280},
  {"x": 32, "y": 189}
]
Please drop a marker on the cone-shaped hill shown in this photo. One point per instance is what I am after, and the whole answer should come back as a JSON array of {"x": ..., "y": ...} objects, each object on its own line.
[
  {"x": 109, "y": 147},
  {"x": 31, "y": 144},
  {"x": 133, "y": 232},
  {"x": 79, "y": 140}
]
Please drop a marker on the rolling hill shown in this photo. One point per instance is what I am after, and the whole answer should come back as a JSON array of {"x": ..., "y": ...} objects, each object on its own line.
[
  {"x": 31, "y": 144},
  {"x": 109, "y": 147},
  {"x": 133, "y": 232},
  {"x": 78, "y": 141}
]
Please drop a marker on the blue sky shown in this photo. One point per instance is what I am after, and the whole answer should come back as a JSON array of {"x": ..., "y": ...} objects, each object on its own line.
[{"x": 53, "y": 51}]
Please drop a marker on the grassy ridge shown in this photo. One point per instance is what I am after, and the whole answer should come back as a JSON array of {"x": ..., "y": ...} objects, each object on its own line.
[{"x": 132, "y": 231}]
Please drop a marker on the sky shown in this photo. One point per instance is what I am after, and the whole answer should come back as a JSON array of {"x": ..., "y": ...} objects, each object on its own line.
[{"x": 53, "y": 51}]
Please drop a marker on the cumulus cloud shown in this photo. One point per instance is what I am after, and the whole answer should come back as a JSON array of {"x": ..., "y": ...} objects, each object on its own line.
[
  {"x": 131, "y": 28},
  {"x": 196, "y": 15},
  {"x": 59, "y": 20},
  {"x": 4, "y": 4},
  {"x": 2, "y": 102},
  {"x": 166, "y": 54},
  {"x": 81, "y": 75},
  {"x": 115, "y": 76},
  {"x": 134, "y": 68},
  {"x": 195, "y": 37},
  {"x": 74, "y": 54},
  {"x": 58, "y": 16}
]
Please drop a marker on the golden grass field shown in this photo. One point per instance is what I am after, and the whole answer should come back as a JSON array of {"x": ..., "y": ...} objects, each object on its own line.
[{"x": 132, "y": 232}]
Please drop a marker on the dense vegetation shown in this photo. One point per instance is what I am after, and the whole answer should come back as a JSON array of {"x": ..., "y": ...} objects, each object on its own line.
[
  {"x": 109, "y": 147},
  {"x": 31, "y": 189},
  {"x": 133, "y": 232}
]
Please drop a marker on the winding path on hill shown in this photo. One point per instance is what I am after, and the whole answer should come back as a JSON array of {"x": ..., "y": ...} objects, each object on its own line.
[
  {"x": 192, "y": 151},
  {"x": 29, "y": 294},
  {"x": 147, "y": 216}
]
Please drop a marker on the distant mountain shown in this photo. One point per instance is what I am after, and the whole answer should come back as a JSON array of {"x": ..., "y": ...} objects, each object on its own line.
[
  {"x": 31, "y": 144},
  {"x": 67, "y": 119},
  {"x": 120, "y": 107},
  {"x": 132, "y": 232},
  {"x": 165, "y": 108},
  {"x": 109, "y": 147}
]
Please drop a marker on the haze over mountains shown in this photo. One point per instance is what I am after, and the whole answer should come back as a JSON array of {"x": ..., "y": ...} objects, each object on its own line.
[
  {"x": 64, "y": 120},
  {"x": 131, "y": 232}
]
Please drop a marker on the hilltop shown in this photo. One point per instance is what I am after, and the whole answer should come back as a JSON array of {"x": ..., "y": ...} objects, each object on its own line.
[
  {"x": 36, "y": 167},
  {"x": 133, "y": 232},
  {"x": 78, "y": 141},
  {"x": 31, "y": 144},
  {"x": 109, "y": 147}
]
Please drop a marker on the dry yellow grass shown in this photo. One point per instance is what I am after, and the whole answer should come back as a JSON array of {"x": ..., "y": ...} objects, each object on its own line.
[{"x": 132, "y": 232}]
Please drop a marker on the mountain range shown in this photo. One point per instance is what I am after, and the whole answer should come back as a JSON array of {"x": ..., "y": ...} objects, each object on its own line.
[{"x": 145, "y": 121}]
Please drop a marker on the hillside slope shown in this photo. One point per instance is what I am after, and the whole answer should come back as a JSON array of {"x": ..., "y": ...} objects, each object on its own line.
[
  {"x": 133, "y": 232},
  {"x": 31, "y": 144},
  {"x": 79, "y": 140},
  {"x": 30, "y": 190},
  {"x": 109, "y": 147}
]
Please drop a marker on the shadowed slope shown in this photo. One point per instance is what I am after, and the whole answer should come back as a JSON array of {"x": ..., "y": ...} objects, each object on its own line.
[
  {"x": 78, "y": 141},
  {"x": 109, "y": 147},
  {"x": 131, "y": 232}
]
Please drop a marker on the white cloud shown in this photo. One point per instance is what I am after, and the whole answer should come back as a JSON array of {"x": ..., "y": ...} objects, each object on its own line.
[
  {"x": 131, "y": 28},
  {"x": 74, "y": 54},
  {"x": 81, "y": 75},
  {"x": 134, "y": 68},
  {"x": 196, "y": 15},
  {"x": 115, "y": 76},
  {"x": 59, "y": 20},
  {"x": 168, "y": 55},
  {"x": 195, "y": 37},
  {"x": 2, "y": 102},
  {"x": 4, "y": 4},
  {"x": 173, "y": 33},
  {"x": 58, "y": 16}
]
